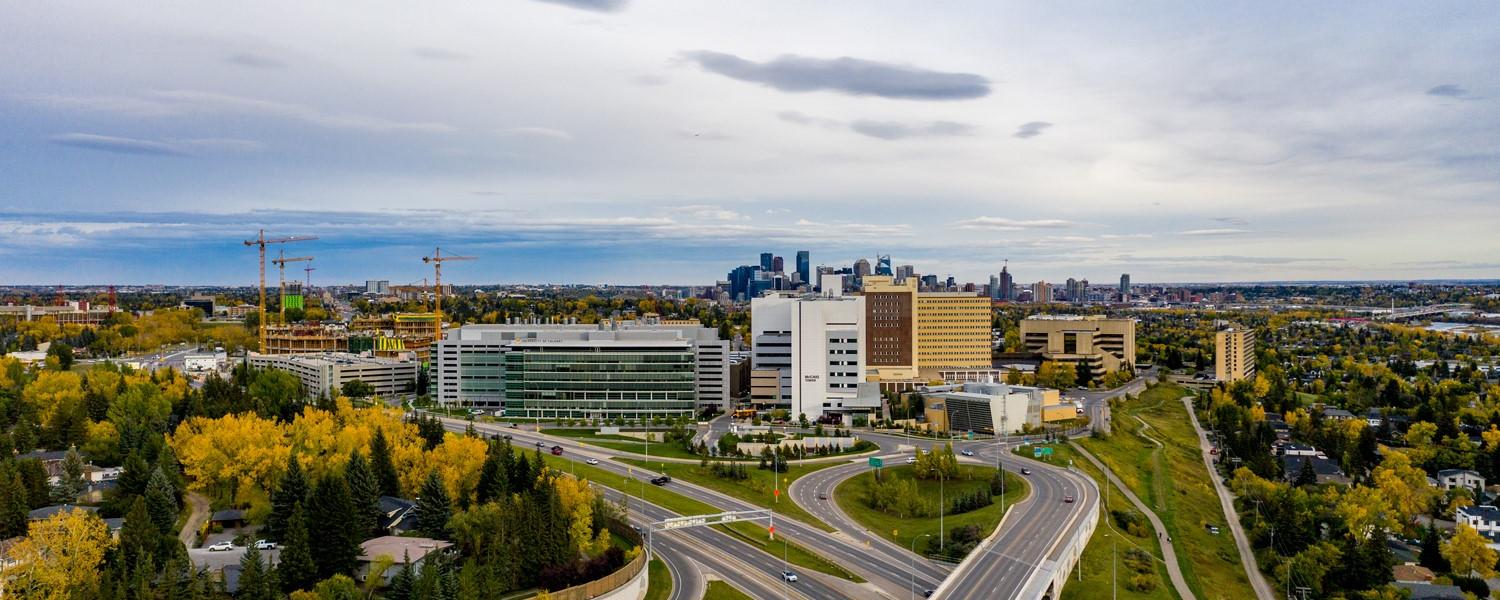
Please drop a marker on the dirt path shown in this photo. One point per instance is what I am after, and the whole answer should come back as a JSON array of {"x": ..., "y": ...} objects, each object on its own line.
[{"x": 195, "y": 519}]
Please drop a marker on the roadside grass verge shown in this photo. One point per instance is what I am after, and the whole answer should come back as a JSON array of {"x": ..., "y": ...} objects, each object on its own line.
[
  {"x": 659, "y": 580},
  {"x": 718, "y": 590},
  {"x": 625, "y": 443},
  {"x": 851, "y": 493},
  {"x": 1174, "y": 483},
  {"x": 756, "y": 490}
]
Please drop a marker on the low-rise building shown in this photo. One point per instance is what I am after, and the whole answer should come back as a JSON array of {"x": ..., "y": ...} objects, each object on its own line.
[
  {"x": 1483, "y": 518},
  {"x": 994, "y": 408},
  {"x": 323, "y": 374},
  {"x": 1448, "y": 479},
  {"x": 401, "y": 551},
  {"x": 1102, "y": 345},
  {"x": 1324, "y": 470}
]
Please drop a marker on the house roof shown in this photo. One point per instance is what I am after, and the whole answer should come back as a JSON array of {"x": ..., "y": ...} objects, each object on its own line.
[
  {"x": 1292, "y": 465},
  {"x": 43, "y": 455},
  {"x": 1411, "y": 573},
  {"x": 399, "y": 548},
  {"x": 228, "y": 515},
  {"x": 1483, "y": 511},
  {"x": 391, "y": 504},
  {"x": 1427, "y": 591},
  {"x": 1447, "y": 472},
  {"x": 1337, "y": 412},
  {"x": 47, "y": 511}
]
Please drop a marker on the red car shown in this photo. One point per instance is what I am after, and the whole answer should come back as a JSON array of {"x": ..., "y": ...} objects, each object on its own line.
[{"x": 557, "y": 450}]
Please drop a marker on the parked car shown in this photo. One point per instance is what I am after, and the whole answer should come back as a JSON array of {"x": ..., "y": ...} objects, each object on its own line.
[
  {"x": 967, "y": 452},
  {"x": 592, "y": 461},
  {"x": 265, "y": 545},
  {"x": 663, "y": 480},
  {"x": 1025, "y": 471},
  {"x": 789, "y": 576},
  {"x": 476, "y": 411},
  {"x": 221, "y": 547},
  {"x": 1214, "y": 529}
]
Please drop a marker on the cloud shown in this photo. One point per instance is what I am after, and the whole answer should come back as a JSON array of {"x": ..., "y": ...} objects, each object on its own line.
[
  {"x": 1031, "y": 130},
  {"x": 438, "y": 54},
  {"x": 536, "y": 132},
  {"x": 715, "y": 213},
  {"x": 649, "y": 80},
  {"x": 892, "y": 130},
  {"x": 171, "y": 103},
  {"x": 1213, "y": 232},
  {"x": 1004, "y": 224},
  {"x": 1126, "y": 236},
  {"x": 792, "y": 116},
  {"x": 254, "y": 61},
  {"x": 1449, "y": 90},
  {"x": 1226, "y": 258},
  {"x": 605, "y": 6},
  {"x": 853, "y": 76},
  {"x": 124, "y": 145},
  {"x": 1230, "y": 220}
]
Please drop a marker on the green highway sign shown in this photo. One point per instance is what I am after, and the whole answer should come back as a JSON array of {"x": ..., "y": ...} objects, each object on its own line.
[{"x": 877, "y": 462}]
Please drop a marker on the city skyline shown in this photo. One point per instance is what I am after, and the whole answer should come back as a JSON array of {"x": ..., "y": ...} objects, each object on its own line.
[{"x": 1080, "y": 142}]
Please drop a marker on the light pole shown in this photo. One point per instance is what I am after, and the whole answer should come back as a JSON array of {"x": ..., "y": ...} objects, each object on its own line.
[
  {"x": 942, "y": 504},
  {"x": 914, "y": 563}
]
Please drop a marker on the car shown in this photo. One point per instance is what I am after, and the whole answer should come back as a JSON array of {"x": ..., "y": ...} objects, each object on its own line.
[
  {"x": 822, "y": 496},
  {"x": 911, "y": 460},
  {"x": 1214, "y": 529},
  {"x": 541, "y": 444},
  {"x": 506, "y": 436},
  {"x": 789, "y": 576},
  {"x": 476, "y": 411},
  {"x": 1068, "y": 498},
  {"x": 1025, "y": 471},
  {"x": 265, "y": 545},
  {"x": 663, "y": 480},
  {"x": 557, "y": 451},
  {"x": 928, "y": 593},
  {"x": 221, "y": 547},
  {"x": 591, "y": 461},
  {"x": 967, "y": 452}
]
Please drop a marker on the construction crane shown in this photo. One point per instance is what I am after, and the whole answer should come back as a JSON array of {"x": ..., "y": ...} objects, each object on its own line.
[
  {"x": 281, "y": 261},
  {"x": 260, "y": 241},
  {"x": 437, "y": 259},
  {"x": 307, "y": 286}
]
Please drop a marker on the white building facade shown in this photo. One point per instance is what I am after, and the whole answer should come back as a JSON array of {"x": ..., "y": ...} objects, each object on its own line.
[{"x": 816, "y": 343}]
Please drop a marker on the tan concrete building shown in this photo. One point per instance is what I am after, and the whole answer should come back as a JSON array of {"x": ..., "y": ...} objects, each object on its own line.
[
  {"x": 1234, "y": 356},
  {"x": 1104, "y": 345},
  {"x": 953, "y": 330},
  {"x": 890, "y": 327}
]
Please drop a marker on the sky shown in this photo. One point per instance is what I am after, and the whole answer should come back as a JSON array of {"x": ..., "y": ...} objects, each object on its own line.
[{"x": 654, "y": 142}]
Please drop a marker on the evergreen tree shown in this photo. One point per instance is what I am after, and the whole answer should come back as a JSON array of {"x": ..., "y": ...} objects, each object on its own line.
[
  {"x": 1432, "y": 553},
  {"x": 364, "y": 492},
  {"x": 70, "y": 483},
  {"x": 132, "y": 481},
  {"x": 384, "y": 466},
  {"x": 433, "y": 508},
  {"x": 13, "y": 508},
  {"x": 1306, "y": 475},
  {"x": 290, "y": 491},
  {"x": 138, "y": 537},
  {"x": 257, "y": 581},
  {"x": 402, "y": 583},
  {"x": 161, "y": 501},
  {"x": 491, "y": 480},
  {"x": 522, "y": 478},
  {"x": 297, "y": 569},
  {"x": 330, "y": 525}
]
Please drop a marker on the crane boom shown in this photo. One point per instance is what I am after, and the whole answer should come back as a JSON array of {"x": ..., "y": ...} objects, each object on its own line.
[
  {"x": 437, "y": 259},
  {"x": 260, "y": 241}
]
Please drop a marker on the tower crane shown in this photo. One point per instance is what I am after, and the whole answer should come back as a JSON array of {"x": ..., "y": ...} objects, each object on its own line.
[
  {"x": 281, "y": 262},
  {"x": 307, "y": 286},
  {"x": 260, "y": 241},
  {"x": 437, "y": 259}
]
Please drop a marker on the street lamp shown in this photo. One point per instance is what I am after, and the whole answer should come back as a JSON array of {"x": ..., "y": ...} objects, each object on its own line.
[
  {"x": 914, "y": 563},
  {"x": 942, "y": 504}
]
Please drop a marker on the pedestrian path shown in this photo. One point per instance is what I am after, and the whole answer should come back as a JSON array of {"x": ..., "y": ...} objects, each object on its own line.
[
  {"x": 1168, "y": 551},
  {"x": 1247, "y": 556}
]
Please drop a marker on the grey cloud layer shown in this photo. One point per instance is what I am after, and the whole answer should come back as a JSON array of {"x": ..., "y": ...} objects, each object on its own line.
[
  {"x": 1032, "y": 129},
  {"x": 593, "y": 5},
  {"x": 853, "y": 76},
  {"x": 892, "y": 130},
  {"x": 123, "y": 145}
]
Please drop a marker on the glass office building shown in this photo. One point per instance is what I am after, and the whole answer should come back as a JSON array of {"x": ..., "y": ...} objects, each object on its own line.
[{"x": 594, "y": 380}]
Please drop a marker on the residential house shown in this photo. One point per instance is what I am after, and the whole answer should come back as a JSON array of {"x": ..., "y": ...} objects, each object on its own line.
[
  {"x": 1428, "y": 591},
  {"x": 1295, "y": 449},
  {"x": 1337, "y": 414},
  {"x": 401, "y": 550},
  {"x": 1324, "y": 470},
  {"x": 394, "y": 513},
  {"x": 1374, "y": 418},
  {"x": 1411, "y": 573},
  {"x": 1460, "y": 478},
  {"x": 1483, "y": 518}
]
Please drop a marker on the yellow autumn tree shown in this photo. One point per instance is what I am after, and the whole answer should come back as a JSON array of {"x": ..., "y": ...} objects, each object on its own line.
[
  {"x": 1469, "y": 552},
  {"x": 577, "y": 498},
  {"x": 233, "y": 453},
  {"x": 59, "y": 558},
  {"x": 1404, "y": 486},
  {"x": 457, "y": 460},
  {"x": 53, "y": 391}
]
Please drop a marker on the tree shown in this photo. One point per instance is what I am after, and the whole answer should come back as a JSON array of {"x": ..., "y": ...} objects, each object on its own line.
[
  {"x": 63, "y": 353},
  {"x": 1432, "y": 553},
  {"x": 1306, "y": 475},
  {"x": 364, "y": 493},
  {"x": 401, "y": 584},
  {"x": 338, "y": 587},
  {"x": 433, "y": 508},
  {"x": 257, "y": 581},
  {"x": 13, "y": 508},
  {"x": 59, "y": 558},
  {"x": 290, "y": 492},
  {"x": 161, "y": 501},
  {"x": 355, "y": 388},
  {"x": 276, "y": 394},
  {"x": 138, "y": 537},
  {"x": 330, "y": 523},
  {"x": 384, "y": 467},
  {"x": 1468, "y": 553},
  {"x": 297, "y": 569},
  {"x": 70, "y": 483}
]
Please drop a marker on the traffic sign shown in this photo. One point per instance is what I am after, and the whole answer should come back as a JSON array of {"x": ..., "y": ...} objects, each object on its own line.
[{"x": 877, "y": 462}]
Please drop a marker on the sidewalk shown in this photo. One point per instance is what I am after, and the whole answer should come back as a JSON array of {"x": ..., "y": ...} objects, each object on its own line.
[
  {"x": 1168, "y": 551},
  {"x": 1247, "y": 556}
]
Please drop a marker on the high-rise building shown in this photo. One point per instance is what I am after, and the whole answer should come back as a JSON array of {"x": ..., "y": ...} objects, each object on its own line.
[
  {"x": 804, "y": 267},
  {"x": 766, "y": 258},
  {"x": 1041, "y": 292},
  {"x": 739, "y": 281},
  {"x": 377, "y": 286},
  {"x": 861, "y": 269},
  {"x": 1007, "y": 284},
  {"x": 1234, "y": 356},
  {"x": 1100, "y": 344},
  {"x": 905, "y": 272},
  {"x": 953, "y": 331},
  {"x": 814, "y": 345},
  {"x": 1124, "y": 287},
  {"x": 626, "y": 369},
  {"x": 890, "y": 327},
  {"x": 883, "y": 265},
  {"x": 778, "y": 265},
  {"x": 994, "y": 287},
  {"x": 929, "y": 281}
]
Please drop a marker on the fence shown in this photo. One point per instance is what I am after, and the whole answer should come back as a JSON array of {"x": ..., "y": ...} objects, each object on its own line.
[{"x": 613, "y": 581}]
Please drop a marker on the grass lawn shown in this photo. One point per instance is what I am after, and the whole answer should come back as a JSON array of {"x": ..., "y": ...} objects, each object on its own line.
[
  {"x": 751, "y": 533},
  {"x": 718, "y": 590},
  {"x": 850, "y": 496},
  {"x": 658, "y": 580},
  {"x": 756, "y": 490},
  {"x": 624, "y": 443},
  {"x": 1175, "y": 484}
]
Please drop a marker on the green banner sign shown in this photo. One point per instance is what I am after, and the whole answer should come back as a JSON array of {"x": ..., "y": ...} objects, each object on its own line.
[{"x": 877, "y": 462}]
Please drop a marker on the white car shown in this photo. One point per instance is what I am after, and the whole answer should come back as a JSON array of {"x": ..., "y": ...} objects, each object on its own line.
[
  {"x": 221, "y": 547},
  {"x": 265, "y": 545},
  {"x": 592, "y": 461},
  {"x": 789, "y": 576},
  {"x": 967, "y": 452},
  {"x": 911, "y": 460}
]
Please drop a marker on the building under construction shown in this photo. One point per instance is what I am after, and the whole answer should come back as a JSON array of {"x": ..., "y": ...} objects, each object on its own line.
[
  {"x": 77, "y": 312},
  {"x": 389, "y": 336}
]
